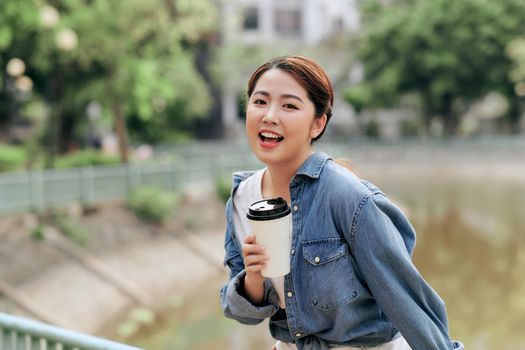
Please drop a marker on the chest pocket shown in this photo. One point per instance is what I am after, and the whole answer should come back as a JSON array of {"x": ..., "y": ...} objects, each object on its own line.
[{"x": 329, "y": 274}]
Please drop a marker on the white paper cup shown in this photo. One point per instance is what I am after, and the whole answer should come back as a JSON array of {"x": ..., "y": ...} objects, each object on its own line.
[{"x": 270, "y": 220}]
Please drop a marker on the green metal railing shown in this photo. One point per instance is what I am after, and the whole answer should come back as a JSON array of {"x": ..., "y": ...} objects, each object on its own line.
[
  {"x": 204, "y": 162},
  {"x": 18, "y": 333},
  {"x": 40, "y": 190}
]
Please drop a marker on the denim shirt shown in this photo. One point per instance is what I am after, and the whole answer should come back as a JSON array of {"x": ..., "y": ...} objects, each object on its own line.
[{"x": 352, "y": 281}]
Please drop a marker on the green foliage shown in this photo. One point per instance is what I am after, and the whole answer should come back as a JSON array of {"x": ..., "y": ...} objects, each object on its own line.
[
  {"x": 139, "y": 56},
  {"x": 37, "y": 232},
  {"x": 18, "y": 24},
  {"x": 12, "y": 158},
  {"x": 71, "y": 228},
  {"x": 223, "y": 187},
  {"x": 133, "y": 56},
  {"x": 371, "y": 129},
  {"x": 88, "y": 157},
  {"x": 152, "y": 204},
  {"x": 516, "y": 52},
  {"x": 136, "y": 319},
  {"x": 359, "y": 96},
  {"x": 17, "y": 18},
  {"x": 442, "y": 49},
  {"x": 410, "y": 128}
]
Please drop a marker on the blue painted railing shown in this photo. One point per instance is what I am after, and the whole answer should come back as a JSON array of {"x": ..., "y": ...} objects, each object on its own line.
[{"x": 18, "y": 333}]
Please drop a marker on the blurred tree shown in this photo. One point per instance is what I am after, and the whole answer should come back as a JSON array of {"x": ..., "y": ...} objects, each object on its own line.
[
  {"x": 516, "y": 52},
  {"x": 444, "y": 50},
  {"x": 18, "y": 22},
  {"x": 134, "y": 59}
]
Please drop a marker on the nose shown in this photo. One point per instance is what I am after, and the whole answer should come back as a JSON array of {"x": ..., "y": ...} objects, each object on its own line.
[{"x": 270, "y": 116}]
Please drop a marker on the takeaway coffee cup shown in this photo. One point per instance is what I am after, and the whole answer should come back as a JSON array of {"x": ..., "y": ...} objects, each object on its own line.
[{"x": 270, "y": 221}]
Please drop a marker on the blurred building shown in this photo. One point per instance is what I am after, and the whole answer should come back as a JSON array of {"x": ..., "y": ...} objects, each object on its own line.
[
  {"x": 290, "y": 25},
  {"x": 308, "y": 21}
]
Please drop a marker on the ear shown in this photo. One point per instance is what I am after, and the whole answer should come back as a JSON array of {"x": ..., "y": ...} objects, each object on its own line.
[{"x": 318, "y": 126}]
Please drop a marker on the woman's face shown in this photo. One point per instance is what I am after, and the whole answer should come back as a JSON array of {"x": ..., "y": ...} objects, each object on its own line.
[{"x": 280, "y": 121}]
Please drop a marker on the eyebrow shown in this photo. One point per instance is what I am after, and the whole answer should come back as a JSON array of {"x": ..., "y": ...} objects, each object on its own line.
[{"x": 264, "y": 93}]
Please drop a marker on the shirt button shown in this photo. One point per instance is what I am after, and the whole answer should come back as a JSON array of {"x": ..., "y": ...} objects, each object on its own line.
[
  {"x": 293, "y": 251},
  {"x": 290, "y": 294},
  {"x": 317, "y": 259},
  {"x": 298, "y": 335},
  {"x": 295, "y": 208}
]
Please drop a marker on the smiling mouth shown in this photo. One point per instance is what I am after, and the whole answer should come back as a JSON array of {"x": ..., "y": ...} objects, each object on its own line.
[{"x": 268, "y": 137}]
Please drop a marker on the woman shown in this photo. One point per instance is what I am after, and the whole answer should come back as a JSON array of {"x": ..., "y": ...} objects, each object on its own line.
[{"x": 352, "y": 283}]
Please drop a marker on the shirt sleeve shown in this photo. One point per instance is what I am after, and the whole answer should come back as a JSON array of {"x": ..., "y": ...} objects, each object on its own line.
[
  {"x": 383, "y": 242},
  {"x": 234, "y": 304}
]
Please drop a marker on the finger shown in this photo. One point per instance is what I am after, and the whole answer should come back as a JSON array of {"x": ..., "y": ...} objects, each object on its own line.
[
  {"x": 250, "y": 239},
  {"x": 255, "y": 269},
  {"x": 252, "y": 260},
  {"x": 249, "y": 249}
]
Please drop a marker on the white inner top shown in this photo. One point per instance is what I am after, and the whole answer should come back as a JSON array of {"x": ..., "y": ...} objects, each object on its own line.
[{"x": 250, "y": 191}]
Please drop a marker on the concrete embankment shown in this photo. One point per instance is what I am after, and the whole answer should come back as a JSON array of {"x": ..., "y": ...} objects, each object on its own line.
[{"x": 124, "y": 264}]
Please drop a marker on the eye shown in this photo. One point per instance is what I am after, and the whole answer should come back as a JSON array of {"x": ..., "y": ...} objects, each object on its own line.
[
  {"x": 259, "y": 102},
  {"x": 290, "y": 106}
]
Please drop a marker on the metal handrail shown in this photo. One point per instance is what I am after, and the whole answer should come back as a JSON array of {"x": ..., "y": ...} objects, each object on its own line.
[
  {"x": 204, "y": 163},
  {"x": 43, "y": 189},
  {"x": 20, "y": 333}
]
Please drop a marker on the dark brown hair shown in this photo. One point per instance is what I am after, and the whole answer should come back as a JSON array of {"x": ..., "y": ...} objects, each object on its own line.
[{"x": 310, "y": 75}]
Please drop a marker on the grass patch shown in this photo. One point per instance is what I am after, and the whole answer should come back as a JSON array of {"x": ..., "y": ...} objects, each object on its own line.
[{"x": 152, "y": 204}]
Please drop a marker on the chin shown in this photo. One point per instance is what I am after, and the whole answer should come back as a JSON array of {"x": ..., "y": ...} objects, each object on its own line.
[{"x": 268, "y": 157}]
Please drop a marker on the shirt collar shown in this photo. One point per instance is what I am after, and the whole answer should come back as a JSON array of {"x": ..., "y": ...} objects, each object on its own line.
[{"x": 313, "y": 165}]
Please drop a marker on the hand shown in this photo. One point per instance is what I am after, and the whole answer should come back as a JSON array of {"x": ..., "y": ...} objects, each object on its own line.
[{"x": 254, "y": 259}]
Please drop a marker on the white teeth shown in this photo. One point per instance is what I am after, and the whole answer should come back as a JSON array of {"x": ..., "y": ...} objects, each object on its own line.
[{"x": 270, "y": 135}]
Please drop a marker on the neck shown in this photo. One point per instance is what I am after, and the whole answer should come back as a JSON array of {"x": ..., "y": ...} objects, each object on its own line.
[{"x": 276, "y": 180}]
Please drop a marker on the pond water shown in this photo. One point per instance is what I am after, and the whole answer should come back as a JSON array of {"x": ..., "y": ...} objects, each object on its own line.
[{"x": 470, "y": 248}]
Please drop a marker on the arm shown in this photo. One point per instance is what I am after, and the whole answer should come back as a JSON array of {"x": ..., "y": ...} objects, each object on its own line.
[
  {"x": 238, "y": 293},
  {"x": 383, "y": 241}
]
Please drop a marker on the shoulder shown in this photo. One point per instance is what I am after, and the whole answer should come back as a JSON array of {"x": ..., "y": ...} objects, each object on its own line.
[
  {"x": 340, "y": 182},
  {"x": 342, "y": 193}
]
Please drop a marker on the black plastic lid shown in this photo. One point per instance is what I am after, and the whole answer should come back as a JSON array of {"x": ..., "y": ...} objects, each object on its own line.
[{"x": 268, "y": 209}]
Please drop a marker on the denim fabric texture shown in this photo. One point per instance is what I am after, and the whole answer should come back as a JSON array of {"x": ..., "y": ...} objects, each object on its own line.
[{"x": 352, "y": 281}]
